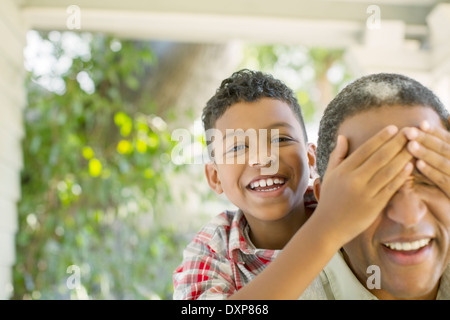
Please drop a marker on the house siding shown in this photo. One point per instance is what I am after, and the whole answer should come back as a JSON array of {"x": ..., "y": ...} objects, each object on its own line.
[{"x": 12, "y": 101}]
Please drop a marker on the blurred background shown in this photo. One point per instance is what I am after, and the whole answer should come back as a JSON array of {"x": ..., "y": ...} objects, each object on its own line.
[{"x": 98, "y": 195}]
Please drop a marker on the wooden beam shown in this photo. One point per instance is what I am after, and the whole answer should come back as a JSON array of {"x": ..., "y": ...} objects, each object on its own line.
[
  {"x": 321, "y": 22},
  {"x": 188, "y": 27}
]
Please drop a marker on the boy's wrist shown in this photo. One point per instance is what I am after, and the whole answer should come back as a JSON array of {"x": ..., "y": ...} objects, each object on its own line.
[{"x": 328, "y": 230}]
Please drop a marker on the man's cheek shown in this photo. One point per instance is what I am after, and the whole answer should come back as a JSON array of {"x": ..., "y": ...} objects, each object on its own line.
[
  {"x": 439, "y": 205},
  {"x": 442, "y": 213}
]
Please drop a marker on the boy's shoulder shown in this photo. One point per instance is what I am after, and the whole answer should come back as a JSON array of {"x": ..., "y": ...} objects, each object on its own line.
[
  {"x": 222, "y": 231},
  {"x": 222, "y": 222}
]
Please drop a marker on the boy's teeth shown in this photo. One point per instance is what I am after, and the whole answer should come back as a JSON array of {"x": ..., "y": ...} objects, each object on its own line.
[
  {"x": 266, "y": 182},
  {"x": 407, "y": 246}
]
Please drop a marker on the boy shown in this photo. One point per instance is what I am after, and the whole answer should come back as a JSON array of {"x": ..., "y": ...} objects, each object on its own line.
[
  {"x": 238, "y": 255},
  {"x": 406, "y": 250}
]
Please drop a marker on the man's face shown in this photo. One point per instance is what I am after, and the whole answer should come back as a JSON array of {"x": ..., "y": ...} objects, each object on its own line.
[
  {"x": 245, "y": 181},
  {"x": 409, "y": 241}
]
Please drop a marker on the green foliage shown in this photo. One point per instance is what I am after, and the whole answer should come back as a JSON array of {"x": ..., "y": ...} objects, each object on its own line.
[
  {"x": 310, "y": 72},
  {"x": 94, "y": 183},
  {"x": 97, "y": 171}
]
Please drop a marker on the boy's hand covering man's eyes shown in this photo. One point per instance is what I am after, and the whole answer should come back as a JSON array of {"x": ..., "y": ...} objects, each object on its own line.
[
  {"x": 431, "y": 147},
  {"x": 356, "y": 188}
]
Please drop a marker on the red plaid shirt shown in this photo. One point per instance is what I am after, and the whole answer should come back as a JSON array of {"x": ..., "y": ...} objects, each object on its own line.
[{"x": 221, "y": 259}]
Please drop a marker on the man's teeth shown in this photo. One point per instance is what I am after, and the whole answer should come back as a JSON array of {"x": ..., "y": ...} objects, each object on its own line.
[
  {"x": 267, "y": 182},
  {"x": 407, "y": 246}
]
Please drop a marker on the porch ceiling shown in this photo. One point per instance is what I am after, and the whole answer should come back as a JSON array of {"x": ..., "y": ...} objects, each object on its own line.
[{"x": 321, "y": 22}]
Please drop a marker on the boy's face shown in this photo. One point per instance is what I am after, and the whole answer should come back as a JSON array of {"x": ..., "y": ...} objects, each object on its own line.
[
  {"x": 280, "y": 192},
  {"x": 409, "y": 241}
]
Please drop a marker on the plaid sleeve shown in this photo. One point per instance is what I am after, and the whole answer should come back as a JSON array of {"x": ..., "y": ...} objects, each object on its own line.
[{"x": 203, "y": 274}]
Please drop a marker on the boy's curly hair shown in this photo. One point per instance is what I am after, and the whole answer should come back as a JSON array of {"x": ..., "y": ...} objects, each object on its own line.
[{"x": 248, "y": 86}]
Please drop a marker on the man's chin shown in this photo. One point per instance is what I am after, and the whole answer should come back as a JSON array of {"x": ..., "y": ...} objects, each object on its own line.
[{"x": 404, "y": 288}]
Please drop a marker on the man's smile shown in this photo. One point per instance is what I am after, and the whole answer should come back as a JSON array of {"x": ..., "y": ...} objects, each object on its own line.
[
  {"x": 406, "y": 252},
  {"x": 408, "y": 245}
]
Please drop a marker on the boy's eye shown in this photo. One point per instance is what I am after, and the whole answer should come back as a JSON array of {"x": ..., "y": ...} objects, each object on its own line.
[
  {"x": 237, "y": 148},
  {"x": 280, "y": 139}
]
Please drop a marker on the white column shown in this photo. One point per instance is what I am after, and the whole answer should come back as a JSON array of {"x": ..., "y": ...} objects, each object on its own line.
[
  {"x": 439, "y": 25},
  {"x": 12, "y": 101},
  {"x": 385, "y": 49}
]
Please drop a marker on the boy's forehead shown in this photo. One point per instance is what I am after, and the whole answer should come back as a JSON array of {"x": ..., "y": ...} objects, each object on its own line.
[
  {"x": 360, "y": 127},
  {"x": 265, "y": 113}
]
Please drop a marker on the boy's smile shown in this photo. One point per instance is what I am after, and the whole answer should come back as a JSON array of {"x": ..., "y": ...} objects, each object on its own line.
[
  {"x": 268, "y": 186},
  {"x": 264, "y": 198}
]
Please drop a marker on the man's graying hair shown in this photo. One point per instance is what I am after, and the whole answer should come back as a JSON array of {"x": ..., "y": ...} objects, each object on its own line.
[{"x": 369, "y": 92}]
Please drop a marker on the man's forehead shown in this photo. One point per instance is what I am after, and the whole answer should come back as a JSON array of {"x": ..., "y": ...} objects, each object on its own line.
[{"x": 364, "y": 125}]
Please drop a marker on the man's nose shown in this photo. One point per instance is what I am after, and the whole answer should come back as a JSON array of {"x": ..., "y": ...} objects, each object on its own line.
[{"x": 406, "y": 207}]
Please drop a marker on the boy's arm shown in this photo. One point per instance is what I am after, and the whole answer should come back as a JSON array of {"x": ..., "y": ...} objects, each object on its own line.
[
  {"x": 354, "y": 191},
  {"x": 431, "y": 146},
  {"x": 296, "y": 266}
]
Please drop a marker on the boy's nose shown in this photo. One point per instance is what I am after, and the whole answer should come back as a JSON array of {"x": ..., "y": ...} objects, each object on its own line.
[
  {"x": 256, "y": 163},
  {"x": 406, "y": 207},
  {"x": 259, "y": 158}
]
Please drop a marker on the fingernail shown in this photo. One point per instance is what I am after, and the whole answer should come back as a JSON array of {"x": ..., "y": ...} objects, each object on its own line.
[
  {"x": 425, "y": 125},
  {"x": 408, "y": 166},
  {"x": 411, "y": 133},
  {"x": 392, "y": 129},
  {"x": 420, "y": 164},
  {"x": 414, "y": 146}
]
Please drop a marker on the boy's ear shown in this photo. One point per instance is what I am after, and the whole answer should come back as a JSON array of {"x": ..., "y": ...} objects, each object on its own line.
[
  {"x": 213, "y": 177},
  {"x": 316, "y": 188},
  {"x": 311, "y": 153}
]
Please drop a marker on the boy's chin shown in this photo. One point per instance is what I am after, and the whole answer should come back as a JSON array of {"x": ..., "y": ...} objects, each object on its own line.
[{"x": 272, "y": 213}]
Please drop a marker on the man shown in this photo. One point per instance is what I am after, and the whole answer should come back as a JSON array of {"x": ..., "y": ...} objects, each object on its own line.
[{"x": 404, "y": 253}]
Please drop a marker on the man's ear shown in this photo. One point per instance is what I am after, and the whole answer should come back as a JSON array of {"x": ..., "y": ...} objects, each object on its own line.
[
  {"x": 311, "y": 153},
  {"x": 316, "y": 188},
  {"x": 213, "y": 177}
]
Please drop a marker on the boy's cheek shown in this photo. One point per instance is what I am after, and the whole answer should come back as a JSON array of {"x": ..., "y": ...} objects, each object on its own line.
[{"x": 272, "y": 169}]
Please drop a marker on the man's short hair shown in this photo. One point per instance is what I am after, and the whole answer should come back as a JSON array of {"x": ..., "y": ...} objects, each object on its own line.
[{"x": 369, "y": 92}]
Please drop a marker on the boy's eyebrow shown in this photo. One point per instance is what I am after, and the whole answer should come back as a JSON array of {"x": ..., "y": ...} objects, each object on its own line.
[
  {"x": 280, "y": 124},
  {"x": 273, "y": 125}
]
